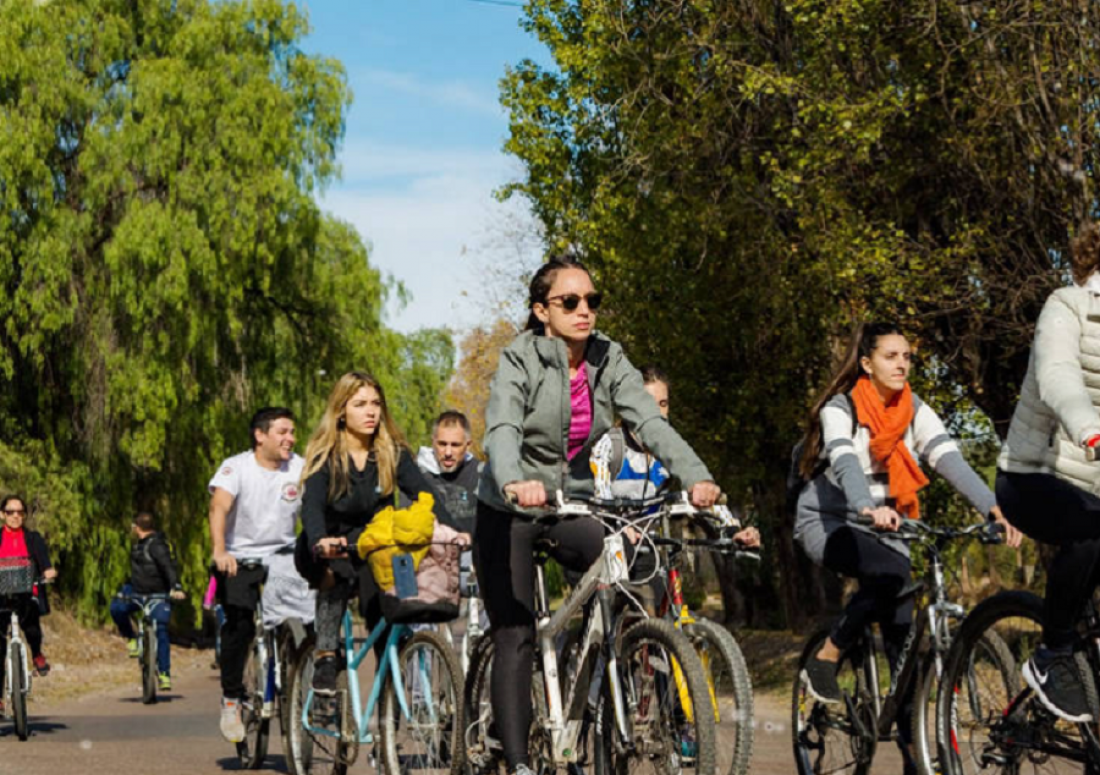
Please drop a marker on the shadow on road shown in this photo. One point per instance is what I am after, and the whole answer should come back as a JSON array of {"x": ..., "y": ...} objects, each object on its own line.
[
  {"x": 273, "y": 763},
  {"x": 160, "y": 698},
  {"x": 36, "y": 728}
]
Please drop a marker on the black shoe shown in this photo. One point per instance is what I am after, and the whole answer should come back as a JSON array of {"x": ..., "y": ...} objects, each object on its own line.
[
  {"x": 819, "y": 676},
  {"x": 324, "y": 676},
  {"x": 1057, "y": 683}
]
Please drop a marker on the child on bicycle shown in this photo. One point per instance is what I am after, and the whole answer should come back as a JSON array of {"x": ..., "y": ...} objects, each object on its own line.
[
  {"x": 556, "y": 391},
  {"x": 356, "y": 461},
  {"x": 152, "y": 572},
  {"x": 860, "y": 452}
]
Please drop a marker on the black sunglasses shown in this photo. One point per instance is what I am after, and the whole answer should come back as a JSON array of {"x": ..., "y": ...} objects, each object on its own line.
[{"x": 570, "y": 301}]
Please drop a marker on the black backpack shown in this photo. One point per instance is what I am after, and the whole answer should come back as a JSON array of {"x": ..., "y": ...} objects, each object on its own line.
[{"x": 796, "y": 482}]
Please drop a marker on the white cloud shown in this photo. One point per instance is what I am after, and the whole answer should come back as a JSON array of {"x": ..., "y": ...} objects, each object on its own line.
[
  {"x": 456, "y": 94},
  {"x": 435, "y": 208}
]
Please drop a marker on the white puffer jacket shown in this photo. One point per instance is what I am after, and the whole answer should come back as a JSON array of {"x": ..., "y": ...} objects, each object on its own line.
[{"x": 1059, "y": 404}]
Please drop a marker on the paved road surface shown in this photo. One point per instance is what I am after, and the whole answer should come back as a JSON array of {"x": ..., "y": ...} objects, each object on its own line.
[{"x": 113, "y": 733}]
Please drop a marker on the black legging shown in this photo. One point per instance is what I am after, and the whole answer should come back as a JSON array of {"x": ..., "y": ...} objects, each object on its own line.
[
  {"x": 504, "y": 553},
  {"x": 882, "y": 574},
  {"x": 26, "y": 606},
  {"x": 1055, "y": 512}
]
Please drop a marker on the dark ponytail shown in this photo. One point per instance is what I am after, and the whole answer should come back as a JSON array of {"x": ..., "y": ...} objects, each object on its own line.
[
  {"x": 539, "y": 291},
  {"x": 864, "y": 340}
]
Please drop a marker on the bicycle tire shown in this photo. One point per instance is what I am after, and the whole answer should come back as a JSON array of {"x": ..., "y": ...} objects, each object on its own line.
[
  {"x": 288, "y": 656},
  {"x": 148, "y": 664},
  {"x": 480, "y": 755},
  {"x": 979, "y": 689},
  {"x": 648, "y": 656},
  {"x": 253, "y": 749},
  {"x": 927, "y": 751},
  {"x": 430, "y": 740},
  {"x": 730, "y": 686},
  {"x": 810, "y": 717},
  {"x": 16, "y": 662},
  {"x": 310, "y": 755}
]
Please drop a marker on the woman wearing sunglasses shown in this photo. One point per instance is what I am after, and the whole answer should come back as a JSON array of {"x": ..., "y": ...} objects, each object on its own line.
[{"x": 557, "y": 390}]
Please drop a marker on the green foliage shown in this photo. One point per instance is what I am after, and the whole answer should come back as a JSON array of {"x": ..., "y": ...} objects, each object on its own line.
[
  {"x": 165, "y": 266},
  {"x": 749, "y": 179}
]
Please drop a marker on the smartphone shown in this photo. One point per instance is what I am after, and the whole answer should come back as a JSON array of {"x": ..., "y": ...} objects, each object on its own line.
[{"x": 404, "y": 576}]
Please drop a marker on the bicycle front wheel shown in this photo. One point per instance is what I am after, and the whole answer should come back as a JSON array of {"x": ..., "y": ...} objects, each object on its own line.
[
  {"x": 826, "y": 737},
  {"x": 426, "y": 735},
  {"x": 253, "y": 749},
  {"x": 17, "y": 660},
  {"x": 730, "y": 690},
  {"x": 310, "y": 754},
  {"x": 988, "y": 721},
  {"x": 148, "y": 664},
  {"x": 663, "y": 692}
]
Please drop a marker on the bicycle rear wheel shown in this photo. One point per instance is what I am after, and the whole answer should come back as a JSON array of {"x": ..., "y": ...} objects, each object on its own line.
[
  {"x": 663, "y": 688},
  {"x": 148, "y": 663},
  {"x": 253, "y": 749},
  {"x": 17, "y": 660},
  {"x": 989, "y": 721},
  {"x": 429, "y": 739},
  {"x": 310, "y": 754},
  {"x": 828, "y": 738},
  {"x": 730, "y": 689}
]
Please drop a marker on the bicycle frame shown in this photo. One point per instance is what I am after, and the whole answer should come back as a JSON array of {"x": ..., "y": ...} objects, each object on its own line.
[
  {"x": 15, "y": 636},
  {"x": 387, "y": 666}
]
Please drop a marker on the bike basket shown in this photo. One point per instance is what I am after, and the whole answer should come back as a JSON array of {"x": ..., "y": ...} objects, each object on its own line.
[
  {"x": 16, "y": 576},
  {"x": 437, "y": 581}
]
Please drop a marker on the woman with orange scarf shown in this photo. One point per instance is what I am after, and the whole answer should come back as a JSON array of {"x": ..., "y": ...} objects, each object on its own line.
[{"x": 865, "y": 436}]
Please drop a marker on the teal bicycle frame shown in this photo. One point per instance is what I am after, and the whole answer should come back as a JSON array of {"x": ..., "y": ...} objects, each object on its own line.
[{"x": 389, "y": 664}]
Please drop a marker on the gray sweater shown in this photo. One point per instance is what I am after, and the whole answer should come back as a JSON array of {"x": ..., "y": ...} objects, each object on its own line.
[
  {"x": 853, "y": 481},
  {"x": 529, "y": 412}
]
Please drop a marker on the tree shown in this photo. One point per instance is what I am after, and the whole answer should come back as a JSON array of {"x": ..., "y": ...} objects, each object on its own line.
[
  {"x": 165, "y": 266},
  {"x": 468, "y": 391},
  {"x": 748, "y": 179}
]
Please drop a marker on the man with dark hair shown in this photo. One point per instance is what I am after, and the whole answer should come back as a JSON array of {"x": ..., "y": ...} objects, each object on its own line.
[
  {"x": 152, "y": 572},
  {"x": 255, "y": 498},
  {"x": 451, "y": 468}
]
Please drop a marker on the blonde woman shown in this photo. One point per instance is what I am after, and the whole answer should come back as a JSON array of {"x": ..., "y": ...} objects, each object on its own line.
[{"x": 356, "y": 461}]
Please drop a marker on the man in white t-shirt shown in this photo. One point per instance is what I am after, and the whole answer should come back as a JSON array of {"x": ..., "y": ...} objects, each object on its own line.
[{"x": 254, "y": 501}]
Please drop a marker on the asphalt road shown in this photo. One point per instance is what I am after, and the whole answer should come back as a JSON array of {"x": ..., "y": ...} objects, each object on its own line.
[{"x": 112, "y": 733}]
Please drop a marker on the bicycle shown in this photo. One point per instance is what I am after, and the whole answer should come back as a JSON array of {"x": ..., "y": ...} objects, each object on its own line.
[
  {"x": 147, "y": 641},
  {"x": 842, "y": 737},
  {"x": 988, "y": 719},
  {"x": 17, "y": 580},
  {"x": 415, "y": 691},
  {"x": 650, "y": 683},
  {"x": 266, "y": 679},
  {"x": 471, "y": 593},
  {"x": 727, "y": 675}
]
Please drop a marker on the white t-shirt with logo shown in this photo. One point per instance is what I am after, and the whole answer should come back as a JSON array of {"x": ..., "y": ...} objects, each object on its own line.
[{"x": 265, "y": 504}]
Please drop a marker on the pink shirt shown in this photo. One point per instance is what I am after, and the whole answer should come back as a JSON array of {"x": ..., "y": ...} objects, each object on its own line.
[{"x": 580, "y": 400}]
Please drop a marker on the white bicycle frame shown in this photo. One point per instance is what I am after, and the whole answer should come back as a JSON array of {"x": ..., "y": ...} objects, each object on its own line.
[{"x": 15, "y": 636}]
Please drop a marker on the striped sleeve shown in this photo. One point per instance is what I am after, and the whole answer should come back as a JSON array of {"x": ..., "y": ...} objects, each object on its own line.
[{"x": 839, "y": 444}]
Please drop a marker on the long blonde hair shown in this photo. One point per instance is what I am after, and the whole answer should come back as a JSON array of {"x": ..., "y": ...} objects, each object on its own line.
[{"x": 328, "y": 443}]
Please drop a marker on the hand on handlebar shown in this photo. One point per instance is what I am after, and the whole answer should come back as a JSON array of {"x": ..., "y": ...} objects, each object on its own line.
[
  {"x": 49, "y": 574},
  {"x": 331, "y": 548},
  {"x": 705, "y": 494},
  {"x": 530, "y": 494},
  {"x": 883, "y": 519},
  {"x": 749, "y": 538},
  {"x": 225, "y": 563},
  {"x": 1013, "y": 537},
  {"x": 178, "y": 594}
]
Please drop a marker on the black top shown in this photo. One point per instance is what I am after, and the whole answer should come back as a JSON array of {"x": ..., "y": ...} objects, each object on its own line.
[
  {"x": 152, "y": 569},
  {"x": 457, "y": 490},
  {"x": 349, "y": 514}
]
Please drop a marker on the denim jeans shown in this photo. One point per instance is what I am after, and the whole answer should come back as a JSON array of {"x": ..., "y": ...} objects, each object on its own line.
[{"x": 122, "y": 610}]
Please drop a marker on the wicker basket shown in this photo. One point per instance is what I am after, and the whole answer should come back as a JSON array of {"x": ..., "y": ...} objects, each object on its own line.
[{"x": 16, "y": 576}]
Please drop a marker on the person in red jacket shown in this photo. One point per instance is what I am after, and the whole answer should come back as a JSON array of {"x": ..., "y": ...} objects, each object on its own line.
[{"x": 17, "y": 542}]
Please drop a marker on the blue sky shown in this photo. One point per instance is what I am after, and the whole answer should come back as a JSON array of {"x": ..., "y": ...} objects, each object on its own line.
[{"x": 422, "y": 153}]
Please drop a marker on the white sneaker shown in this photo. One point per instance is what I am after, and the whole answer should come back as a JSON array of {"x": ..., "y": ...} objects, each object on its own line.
[{"x": 232, "y": 728}]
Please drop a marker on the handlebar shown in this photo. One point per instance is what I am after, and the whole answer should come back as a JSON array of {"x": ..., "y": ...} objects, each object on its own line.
[
  {"x": 915, "y": 530},
  {"x": 678, "y": 504}
]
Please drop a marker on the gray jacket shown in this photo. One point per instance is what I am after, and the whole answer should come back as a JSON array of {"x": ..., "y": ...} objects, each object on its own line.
[{"x": 527, "y": 419}]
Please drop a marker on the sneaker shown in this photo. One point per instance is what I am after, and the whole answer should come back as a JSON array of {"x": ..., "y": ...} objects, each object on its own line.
[
  {"x": 133, "y": 649},
  {"x": 522, "y": 769},
  {"x": 41, "y": 666},
  {"x": 232, "y": 728},
  {"x": 165, "y": 682},
  {"x": 819, "y": 676},
  {"x": 1056, "y": 682}
]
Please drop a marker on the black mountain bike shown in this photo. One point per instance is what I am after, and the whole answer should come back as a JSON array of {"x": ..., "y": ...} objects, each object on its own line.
[{"x": 842, "y": 737}]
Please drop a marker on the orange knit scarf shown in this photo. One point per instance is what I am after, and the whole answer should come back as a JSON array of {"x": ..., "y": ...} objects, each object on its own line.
[{"x": 888, "y": 423}]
